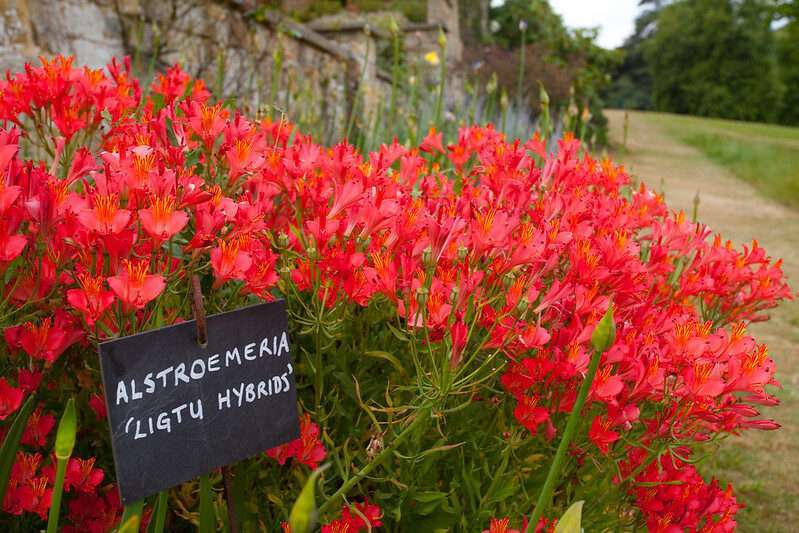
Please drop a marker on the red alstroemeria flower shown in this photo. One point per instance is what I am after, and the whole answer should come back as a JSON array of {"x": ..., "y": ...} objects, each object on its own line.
[
  {"x": 704, "y": 379},
  {"x": 11, "y": 244},
  {"x": 601, "y": 434},
  {"x": 97, "y": 404},
  {"x": 161, "y": 221},
  {"x": 500, "y": 525},
  {"x": 134, "y": 286},
  {"x": 433, "y": 142},
  {"x": 530, "y": 414},
  {"x": 229, "y": 262},
  {"x": 82, "y": 476},
  {"x": 28, "y": 380},
  {"x": 37, "y": 428},
  {"x": 106, "y": 218},
  {"x": 10, "y": 399},
  {"x": 307, "y": 450},
  {"x": 352, "y": 522},
  {"x": 606, "y": 385},
  {"x": 91, "y": 299},
  {"x": 46, "y": 340}
]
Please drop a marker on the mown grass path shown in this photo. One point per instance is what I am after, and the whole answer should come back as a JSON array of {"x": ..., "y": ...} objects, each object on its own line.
[{"x": 762, "y": 466}]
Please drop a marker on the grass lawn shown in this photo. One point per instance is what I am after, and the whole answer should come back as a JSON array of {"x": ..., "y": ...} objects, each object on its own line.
[{"x": 764, "y": 155}]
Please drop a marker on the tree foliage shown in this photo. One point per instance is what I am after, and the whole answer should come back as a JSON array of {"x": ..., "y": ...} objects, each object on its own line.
[
  {"x": 735, "y": 59},
  {"x": 715, "y": 58}
]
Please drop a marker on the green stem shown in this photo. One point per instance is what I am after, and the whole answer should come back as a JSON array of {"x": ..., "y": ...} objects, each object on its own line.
[
  {"x": 358, "y": 91},
  {"x": 319, "y": 377},
  {"x": 131, "y": 510},
  {"x": 58, "y": 490},
  {"x": 160, "y": 513},
  {"x": 207, "y": 515},
  {"x": 545, "y": 496},
  {"x": 395, "y": 73},
  {"x": 421, "y": 417},
  {"x": 521, "y": 69},
  {"x": 442, "y": 82}
]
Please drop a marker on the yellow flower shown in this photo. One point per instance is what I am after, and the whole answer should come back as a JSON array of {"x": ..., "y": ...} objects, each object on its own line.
[{"x": 432, "y": 58}]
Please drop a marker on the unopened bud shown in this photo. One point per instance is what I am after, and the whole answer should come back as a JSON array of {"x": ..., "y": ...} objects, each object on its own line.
[
  {"x": 508, "y": 279},
  {"x": 522, "y": 305},
  {"x": 421, "y": 295},
  {"x": 605, "y": 332},
  {"x": 393, "y": 27},
  {"x": 427, "y": 256},
  {"x": 283, "y": 240},
  {"x": 463, "y": 252},
  {"x": 543, "y": 96},
  {"x": 311, "y": 252}
]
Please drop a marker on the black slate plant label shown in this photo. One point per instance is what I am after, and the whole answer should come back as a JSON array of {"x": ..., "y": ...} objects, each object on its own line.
[{"x": 177, "y": 410}]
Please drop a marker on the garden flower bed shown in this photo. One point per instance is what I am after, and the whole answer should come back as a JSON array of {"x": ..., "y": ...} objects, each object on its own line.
[{"x": 442, "y": 300}]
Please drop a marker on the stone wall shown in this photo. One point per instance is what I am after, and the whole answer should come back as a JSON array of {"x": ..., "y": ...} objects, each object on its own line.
[{"x": 235, "y": 47}]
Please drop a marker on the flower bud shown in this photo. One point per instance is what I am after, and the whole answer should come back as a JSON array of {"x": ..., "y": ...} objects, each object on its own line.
[
  {"x": 311, "y": 252},
  {"x": 463, "y": 252},
  {"x": 393, "y": 27},
  {"x": 421, "y": 295},
  {"x": 523, "y": 304},
  {"x": 507, "y": 279},
  {"x": 543, "y": 96},
  {"x": 283, "y": 240},
  {"x": 605, "y": 332},
  {"x": 427, "y": 256}
]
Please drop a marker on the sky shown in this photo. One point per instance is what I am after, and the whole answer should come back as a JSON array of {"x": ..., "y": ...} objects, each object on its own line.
[{"x": 615, "y": 18}]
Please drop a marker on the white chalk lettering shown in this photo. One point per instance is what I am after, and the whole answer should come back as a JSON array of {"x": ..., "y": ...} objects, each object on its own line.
[
  {"x": 265, "y": 348},
  {"x": 248, "y": 352},
  {"x": 122, "y": 392},
  {"x": 194, "y": 372},
  {"x": 180, "y": 374},
  {"x": 163, "y": 374},
  {"x": 230, "y": 356},
  {"x": 149, "y": 384},
  {"x": 225, "y": 399},
  {"x": 284, "y": 344},
  {"x": 134, "y": 395},
  {"x": 164, "y": 423},
  {"x": 196, "y": 413}
]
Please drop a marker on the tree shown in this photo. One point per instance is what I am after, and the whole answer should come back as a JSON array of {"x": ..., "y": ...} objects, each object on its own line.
[
  {"x": 715, "y": 58},
  {"x": 788, "y": 55},
  {"x": 632, "y": 82}
]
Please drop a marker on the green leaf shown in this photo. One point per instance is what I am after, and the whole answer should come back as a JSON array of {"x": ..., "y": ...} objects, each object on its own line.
[
  {"x": 131, "y": 516},
  {"x": 571, "y": 520},
  {"x": 131, "y": 525},
  {"x": 67, "y": 428},
  {"x": 156, "y": 524},
  {"x": 303, "y": 514},
  {"x": 207, "y": 514},
  {"x": 605, "y": 332},
  {"x": 9, "y": 450},
  {"x": 388, "y": 357}
]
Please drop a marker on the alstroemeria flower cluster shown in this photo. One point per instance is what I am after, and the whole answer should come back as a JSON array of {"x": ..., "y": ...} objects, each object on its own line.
[{"x": 475, "y": 271}]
